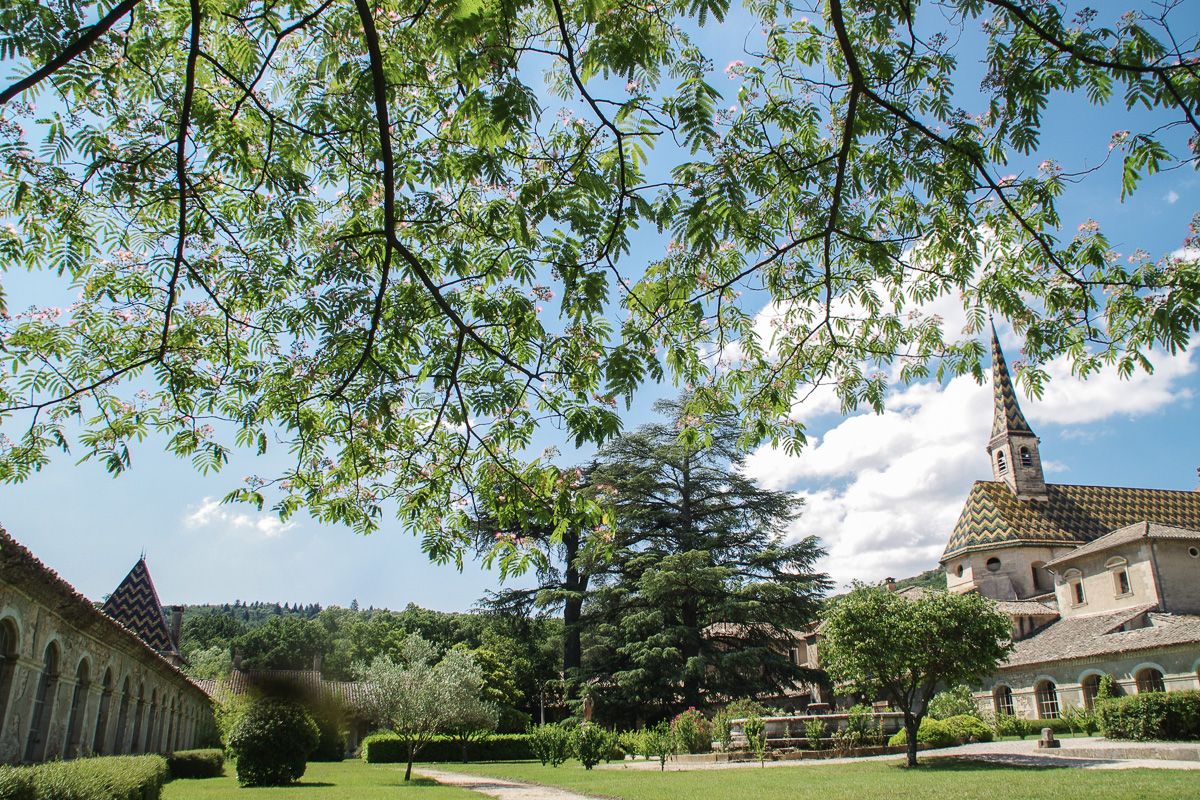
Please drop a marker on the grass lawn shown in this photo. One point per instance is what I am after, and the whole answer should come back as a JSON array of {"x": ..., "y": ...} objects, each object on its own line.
[
  {"x": 348, "y": 780},
  {"x": 943, "y": 779}
]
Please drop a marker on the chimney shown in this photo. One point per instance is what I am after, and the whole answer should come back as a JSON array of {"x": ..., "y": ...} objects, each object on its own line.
[
  {"x": 176, "y": 624},
  {"x": 318, "y": 662},
  {"x": 889, "y": 584}
]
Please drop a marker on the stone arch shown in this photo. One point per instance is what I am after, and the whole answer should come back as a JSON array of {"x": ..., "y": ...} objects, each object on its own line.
[
  {"x": 103, "y": 712},
  {"x": 78, "y": 709},
  {"x": 119, "y": 738},
  {"x": 10, "y": 652},
  {"x": 1149, "y": 677},
  {"x": 152, "y": 722},
  {"x": 170, "y": 739},
  {"x": 1045, "y": 695},
  {"x": 135, "y": 744},
  {"x": 43, "y": 703},
  {"x": 1089, "y": 685},
  {"x": 1002, "y": 700}
]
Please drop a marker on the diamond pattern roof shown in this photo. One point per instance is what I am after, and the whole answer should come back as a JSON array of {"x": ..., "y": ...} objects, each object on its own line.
[
  {"x": 135, "y": 605},
  {"x": 1073, "y": 515},
  {"x": 1006, "y": 416}
]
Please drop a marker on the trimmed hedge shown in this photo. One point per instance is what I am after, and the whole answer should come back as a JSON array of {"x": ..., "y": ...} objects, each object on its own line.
[
  {"x": 196, "y": 763},
  {"x": 388, "y": 748},
  {"x": 1152, "y": 716},
  {"x": 110, "y": 778},
  {"x": 969, "y": 728},
  {"x": 271, "y": 743},
  {"x": 932, "y": 732}
]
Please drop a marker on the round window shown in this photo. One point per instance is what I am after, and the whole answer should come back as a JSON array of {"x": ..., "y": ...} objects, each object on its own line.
[
  {"x": 959, "y": 570},
  {"x": 993, "y": 564},
  {"x": 1194, "y": 552}
]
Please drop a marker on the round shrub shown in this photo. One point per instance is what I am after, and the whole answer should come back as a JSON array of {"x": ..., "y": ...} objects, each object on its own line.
[
  {"x": 969, "y": 728},
  {"x": 271, "y": 743},
  {"x": 591, "y": 744},
  {"x": 932, "y": 732},
  {"x": 693, "y": 733}
]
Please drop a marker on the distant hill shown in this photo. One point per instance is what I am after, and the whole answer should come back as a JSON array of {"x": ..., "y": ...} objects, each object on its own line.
[{"x": 929, "y": 579}]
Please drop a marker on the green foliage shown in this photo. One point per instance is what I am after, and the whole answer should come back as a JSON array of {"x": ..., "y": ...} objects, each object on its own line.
[
  {"x": 968, "y": 728},
  {"x": 388, "y": 748},
  {"x": 931, "y": 732},
  {"x": 632, "y": 743},
  {"x": 863, "y": 729},
  {"x": 1107, "y": 688},
  {"x": 721, "y": 728},
  {"x": 660, "y": 743},
  {"x": 1012, "y": 725},
  {"x": 754, "y": 728},
  {"x": 954, "y": 702},
  {"x": 591, "y": 744},
  {"x": 814, "y": 732},
  {"x": 1152, "y": 716},
  {"x": 693, "y": 732},
  {"x": 211, "y": 663},
  {"x": 228, "y": 709},
  {"x": 196, "y": 763},
  {"x": 550, "y": 744},
  {"x": 283, "y": 643},
  {"x": 108, "y": 778},
  {"x": 271, "y": 743},
  {"x": 879, "y": 642},
  {"x": 1081, "y": 720}
]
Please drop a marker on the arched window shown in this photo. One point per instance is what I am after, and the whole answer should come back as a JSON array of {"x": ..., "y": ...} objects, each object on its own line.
[
  {"x": 1026, "y": 457},
  {"x": 8, "y": 664},
  {"x": 79, "y": 698},
  {"x": 43, "y": 705},
  {"x": 119, "y": 745},
  {"x": 102, "y": 713},
  {"x": 1074, "y": 579},
  {"x": 1001, "y": 462},
  {"x": 1047, "y": 700},
  {"x": 1091, "y": 688},
  {"x": 1002, "y": 700},
  {"x": 135, "y": 744},
  {"x": 1150, "y": 680}
]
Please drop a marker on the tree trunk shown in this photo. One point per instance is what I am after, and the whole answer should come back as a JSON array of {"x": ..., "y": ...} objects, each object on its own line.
[
  {"x": 911, "y": 726},
  {"x": 690, "y": 617},
  {"x": 576, "y": 584},
  {"x": 411, "y": 755}
]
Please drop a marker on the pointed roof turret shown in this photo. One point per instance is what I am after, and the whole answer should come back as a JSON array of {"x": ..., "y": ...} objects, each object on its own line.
[
  {"x": 1006, "y": 416},
  {"x": 135, "y": 604},
  {"x": 1013, "y": 448}
]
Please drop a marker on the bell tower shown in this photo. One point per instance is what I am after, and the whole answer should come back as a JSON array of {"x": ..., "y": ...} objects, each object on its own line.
[{"x": 1013, "y": 448}]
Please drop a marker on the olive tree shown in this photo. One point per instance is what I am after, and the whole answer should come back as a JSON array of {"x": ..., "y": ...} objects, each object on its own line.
[{"x": 880, "y": 643}]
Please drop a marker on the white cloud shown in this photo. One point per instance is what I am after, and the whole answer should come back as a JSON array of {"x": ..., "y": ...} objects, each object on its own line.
[
  {"x": 211, "y": 513},
  {"x": 1172, "y": 197},
  {"x": 883, "y": 491},
  {"x": 1186, "y": 254}
]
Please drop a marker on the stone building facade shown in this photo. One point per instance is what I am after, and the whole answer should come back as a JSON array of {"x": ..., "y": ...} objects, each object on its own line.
[
  {"x": 76, "y": 681},
  {"x": 1098, "y": 580}
]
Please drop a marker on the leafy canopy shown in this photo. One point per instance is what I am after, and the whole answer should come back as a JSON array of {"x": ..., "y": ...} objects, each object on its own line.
[{"x": 389, "y": 239}]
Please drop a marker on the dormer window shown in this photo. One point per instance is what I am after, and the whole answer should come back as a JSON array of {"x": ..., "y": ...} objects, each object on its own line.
[
  {"x": 1074, "y": 580},
  {"x": 1001, "y": 463},
  {"x": 1026, "y": 457}
]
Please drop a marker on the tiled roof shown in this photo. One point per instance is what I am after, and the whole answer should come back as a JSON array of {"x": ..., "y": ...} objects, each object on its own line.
[
  {"x": 1130, "y": 533},
  {"x": 20, "y": 568},
  {"x": 135, "y": 605},
  {"x": 1025, "y": 608},
  {"x": 307, "y": 682},
  {"x": 1073, "y": 515},
  {"x": 1100, "y": 634},
  {"x": 1006, "y": 416}
]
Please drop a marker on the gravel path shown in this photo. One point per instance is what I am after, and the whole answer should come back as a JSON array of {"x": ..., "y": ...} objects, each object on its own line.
[{"x": 498, "y": 787}]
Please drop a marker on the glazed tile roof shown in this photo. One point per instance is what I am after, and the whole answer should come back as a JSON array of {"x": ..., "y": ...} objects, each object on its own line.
[
  {"x": 1130, "y": 533},
  {"x": 1073, "y": 515},
  {"x": 22, "y": 569},
  {"x": 1100, "y": 634},
  {"x": 1006, "y": 416},
  {"x": 135, "y": 605}
]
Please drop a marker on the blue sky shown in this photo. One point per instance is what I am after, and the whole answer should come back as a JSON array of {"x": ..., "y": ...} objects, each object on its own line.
[{"x": 882, "y": 491}]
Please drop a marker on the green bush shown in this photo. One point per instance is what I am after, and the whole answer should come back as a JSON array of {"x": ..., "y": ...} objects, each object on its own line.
[
  {"x": 660, "y": 743},
  {"x": 196, "y": 763},
  {"x": 271, "y": 743},
  {"x": 1010, "y": 725},
  {"x": 590, "y": 744},
  {"x": 955, "y": 702},
  {"x": 1152, "y": 716},
  {"x": 111, "y": 778},
  {"x": 932, "y": 732},
  {"x": 814, "y": 731},
  {"x": 387, "y": 748},
  {"x": 331, "y": 734},
  {"x": 693, "y": 733},
  {"x": 1080, "y": 720},
  {"x": 550, "y": 744},
  {"x": 969, "y": 728},
  {"x": 863, "y": 728}
]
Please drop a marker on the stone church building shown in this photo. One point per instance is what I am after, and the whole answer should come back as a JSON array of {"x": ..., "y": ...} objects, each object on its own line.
[
  {"x": 1098, "y": 580},
  {"x": 77, "y": 680}
]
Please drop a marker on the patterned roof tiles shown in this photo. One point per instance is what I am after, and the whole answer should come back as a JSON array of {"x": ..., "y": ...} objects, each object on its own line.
[
  {"x": 135, "y": 605},
  {"x": 1073, "y": 515},
  {"x": 1006, "y": 416}
]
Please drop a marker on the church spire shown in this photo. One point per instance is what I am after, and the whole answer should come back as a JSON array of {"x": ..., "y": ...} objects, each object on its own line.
[{"x": 1013, "y": 448}]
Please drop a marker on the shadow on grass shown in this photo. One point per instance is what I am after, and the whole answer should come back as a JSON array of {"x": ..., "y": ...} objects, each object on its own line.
[{"x": 989, "y": 763}]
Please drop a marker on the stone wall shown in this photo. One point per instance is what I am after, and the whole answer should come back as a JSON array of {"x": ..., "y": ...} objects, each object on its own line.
[
  {"x": 1179, "y": 666},
  {"x": 106, "y": 684}
]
